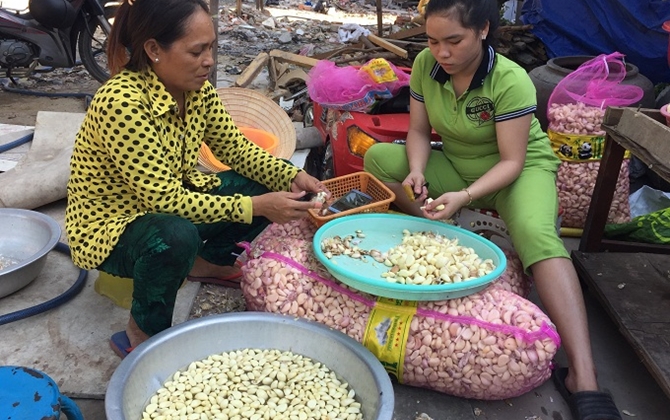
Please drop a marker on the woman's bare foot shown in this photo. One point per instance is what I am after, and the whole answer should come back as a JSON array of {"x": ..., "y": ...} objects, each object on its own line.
[
  {"x": 135, "y": 335},
  {"x": 203, "y": 268},
  {"x": 575, "y": 383}
]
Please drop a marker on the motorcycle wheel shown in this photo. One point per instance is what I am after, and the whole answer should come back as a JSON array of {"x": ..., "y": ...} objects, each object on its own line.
[{"x": 92, "y": 45}]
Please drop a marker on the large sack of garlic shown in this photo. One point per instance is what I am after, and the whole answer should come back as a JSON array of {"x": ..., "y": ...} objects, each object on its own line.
[
  {"x": 575, "y": 183},
  {"x": 579, "y": 141},
  {"x": 490, "y": 345},
  {"x": 575, "y": 112}
]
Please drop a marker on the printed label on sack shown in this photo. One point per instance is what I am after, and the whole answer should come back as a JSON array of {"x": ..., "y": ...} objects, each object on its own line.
[
  {"x": 578, "y": 148},
  {"x": 387, "y": 330}
]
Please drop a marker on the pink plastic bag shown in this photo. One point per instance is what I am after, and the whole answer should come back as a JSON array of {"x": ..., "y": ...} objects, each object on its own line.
[
  {"x": 597, "y": 83},
  {"x": 347, "y": 88}
]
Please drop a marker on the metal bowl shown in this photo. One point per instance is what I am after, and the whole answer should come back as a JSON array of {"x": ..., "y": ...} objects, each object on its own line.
[
  {"x": 149, "y": 365},
  {"x": 26, "y": 237}
]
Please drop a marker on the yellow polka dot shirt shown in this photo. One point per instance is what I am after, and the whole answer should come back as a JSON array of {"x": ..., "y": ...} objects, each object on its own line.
[{"x": 134, "y": 155}]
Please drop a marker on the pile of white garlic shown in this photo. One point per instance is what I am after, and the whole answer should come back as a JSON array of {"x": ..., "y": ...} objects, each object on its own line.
[{"x": 254, "y": 384}]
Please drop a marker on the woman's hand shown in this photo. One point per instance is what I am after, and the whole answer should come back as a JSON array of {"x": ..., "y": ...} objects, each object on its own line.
[
  {"x": 415, "y": 183},
  {"x": 445, "y": 205},
  {"x": 306, "y": 182},
  {"x": 282, "y": 207}
]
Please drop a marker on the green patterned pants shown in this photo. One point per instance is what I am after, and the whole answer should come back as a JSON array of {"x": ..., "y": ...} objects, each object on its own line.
[{"x": 158, "y": 250}]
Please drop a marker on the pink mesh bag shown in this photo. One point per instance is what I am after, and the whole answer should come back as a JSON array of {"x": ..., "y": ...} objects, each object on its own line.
[
  {"x": 346, "y": 88},
  {"x": 597, "y": 83}
]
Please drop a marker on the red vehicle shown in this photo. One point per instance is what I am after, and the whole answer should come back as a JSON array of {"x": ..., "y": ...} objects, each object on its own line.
[{"x": 347, "y": 135}]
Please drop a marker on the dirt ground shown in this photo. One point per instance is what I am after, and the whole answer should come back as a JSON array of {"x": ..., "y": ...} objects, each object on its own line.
[{"x": 22, "y": 109}]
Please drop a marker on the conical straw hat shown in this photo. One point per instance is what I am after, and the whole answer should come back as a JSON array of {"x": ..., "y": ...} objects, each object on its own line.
[{"x": 250, "y": 108}]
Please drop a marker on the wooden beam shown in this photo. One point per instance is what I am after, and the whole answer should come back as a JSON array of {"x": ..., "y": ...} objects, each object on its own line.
[
  {"x": 252, "y": 70},
  {"x": 646, "y": 138},
  {"x": 213, "y": 73},
  {"x": 380, "y": 21},
  {"x": 291, "y": 76},
  {"x": 408, "y": 33},
  {"x": 400, "y": 52},
  {"x": 298, "y": 60},
  {"x": 331, "y": 53}
]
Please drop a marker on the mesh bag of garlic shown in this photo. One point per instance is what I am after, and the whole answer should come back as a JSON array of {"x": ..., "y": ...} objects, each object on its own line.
[
  {"x": 575, "y": 182},
  {"x": 578, "y": 140},
  {"x": 575, "y": 113},
  {"x": 490, "y": 345}
]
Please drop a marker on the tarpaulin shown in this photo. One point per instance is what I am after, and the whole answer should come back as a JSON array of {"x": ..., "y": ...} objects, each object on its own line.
[{"x": 593, "y": 27}]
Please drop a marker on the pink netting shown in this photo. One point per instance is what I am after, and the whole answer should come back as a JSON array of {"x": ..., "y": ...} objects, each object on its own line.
[
  {"x": 348, "y": 88},
  {"x": 597, "y": 83}
]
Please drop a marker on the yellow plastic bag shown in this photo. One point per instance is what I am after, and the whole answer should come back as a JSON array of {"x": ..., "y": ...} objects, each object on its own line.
[{"x": 380, "y": 71}]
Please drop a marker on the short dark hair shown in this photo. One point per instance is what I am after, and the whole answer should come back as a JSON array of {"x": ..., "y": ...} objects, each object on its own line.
[
  {"x": 138, "y": 21},
  {"x": 471, "y": 14}
]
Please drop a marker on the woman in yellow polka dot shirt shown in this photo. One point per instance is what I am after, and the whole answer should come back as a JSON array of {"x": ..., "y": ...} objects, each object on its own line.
[{"x": 137, "y": 205}]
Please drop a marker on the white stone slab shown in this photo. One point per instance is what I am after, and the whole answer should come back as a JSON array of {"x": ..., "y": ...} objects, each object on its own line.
[{"x": 40, "y": 177}]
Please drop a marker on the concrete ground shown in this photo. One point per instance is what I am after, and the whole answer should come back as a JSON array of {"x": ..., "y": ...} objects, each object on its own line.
[{"x": 70, "y": 344}]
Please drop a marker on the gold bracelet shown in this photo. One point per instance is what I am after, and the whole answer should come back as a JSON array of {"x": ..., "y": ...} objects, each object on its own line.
[{"x": 469, "y": 195}]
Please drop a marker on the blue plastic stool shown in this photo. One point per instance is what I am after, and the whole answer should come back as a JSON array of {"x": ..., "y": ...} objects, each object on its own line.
[{"x": 28, "y": 394}]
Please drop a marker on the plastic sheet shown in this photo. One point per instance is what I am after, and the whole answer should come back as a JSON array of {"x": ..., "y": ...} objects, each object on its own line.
[{"x": 632, "y": 27}]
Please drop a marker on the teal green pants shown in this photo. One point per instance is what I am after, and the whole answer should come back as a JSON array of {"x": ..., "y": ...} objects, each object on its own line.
[
  {"x": 528, "y": 206},
  {"x": 158, "y": 251}
]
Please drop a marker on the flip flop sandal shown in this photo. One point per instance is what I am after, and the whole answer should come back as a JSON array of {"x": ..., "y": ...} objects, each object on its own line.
[
  {"x": 120, "y": 344},
  {"x": 586, "y": 405}
]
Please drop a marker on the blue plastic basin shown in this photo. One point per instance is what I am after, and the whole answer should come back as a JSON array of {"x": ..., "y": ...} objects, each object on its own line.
[{"x": 384, "y": 231}]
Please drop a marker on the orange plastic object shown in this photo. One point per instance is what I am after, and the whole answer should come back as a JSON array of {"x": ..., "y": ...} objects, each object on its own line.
[{"x": 262, "y": 138}]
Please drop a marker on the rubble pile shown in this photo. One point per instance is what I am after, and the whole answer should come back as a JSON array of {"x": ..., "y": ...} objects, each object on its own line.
[
  {"x": 284, "y": 40},
  {"x": 298, "y": 29},
  {"x": 290, "y": 37}
]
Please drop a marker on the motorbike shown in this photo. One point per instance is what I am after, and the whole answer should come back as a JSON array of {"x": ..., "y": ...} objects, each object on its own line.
[{"x": 56, "y": 34}]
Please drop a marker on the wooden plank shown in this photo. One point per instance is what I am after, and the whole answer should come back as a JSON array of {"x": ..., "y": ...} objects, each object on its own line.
[
  {"x": 630, "y": 246},
  {"x": 332, "y": 53},
  {"x": 613, "y": 114},
  {"x": 380, "y": 21},
  {"x": 634, "y": 288},
  {"x": 213, "y": 76},
  {"x": 646, "y": 138},
  {"x": 292, "y": 76},
  {"x": 408, "y": 33},
  {"x": 298, "y": 60},
  {"x": 601, "y": 198},
  {"x": 400, "y": 52},
  {"x": 252, "y": 70}
]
